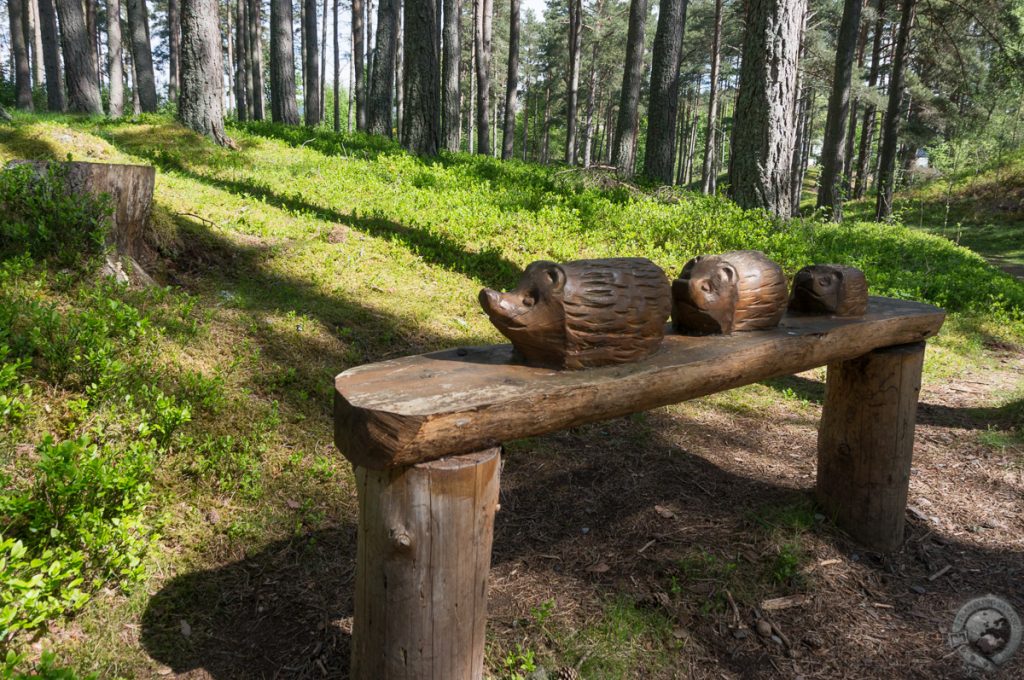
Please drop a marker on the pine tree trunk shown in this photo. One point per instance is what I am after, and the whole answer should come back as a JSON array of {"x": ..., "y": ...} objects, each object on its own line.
[
  {"x": 588, "y": 130},
  {"x": 245, "y": 12},
  {"x": 762, "y": 133},
  {"x": 351, "y": 81},
  {"x": 38, "y": 73},
  {"x": 525, "y": 144},
  {"x": 256, "y": 57},
  {"x": 311, "y": 87},
  {"x": 663, "y": 109},
  {"x": 20, "y": 49},
  {"x": 452, "y": 99},
  {"x": 201, "y": 102},
  {"x": 484, "y": 16},
  {"x": 241, "y": 68},
  {"x": 399, "y": 70},
  {"x": 142, "y": 54},
  {"x": 511, "y": 83},
  {"x": 421, "y": 134},
  {"x": 323, "y": 63},
  {"x": 573, "y": 83},
  {"x": 79, "y": 59},
  {"x": 358, "y": 60},
  {"x": 833, "y": 147},
  {"x": 545, "y": 144},
  {"x": 707, "y": 178},
  {"x": 624, "y": 157},
  {"x": 867, "y": 130},
  {"x": 337, "y": 70},
  {"x": 370, "y": 36},
  {"x": 283, "y": 106},
  {"x": 382, "y": 83},
  {"x": 94, "y": 35},
  {"x": 174, "y": 49},
  {"x": 115, "y": 65},
  {"x": 51, "y": 56},
  {"x": 891, "y": 126}
]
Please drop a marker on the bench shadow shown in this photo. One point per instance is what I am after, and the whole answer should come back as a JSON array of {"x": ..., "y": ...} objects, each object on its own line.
[{"x": 283, "y": 612}]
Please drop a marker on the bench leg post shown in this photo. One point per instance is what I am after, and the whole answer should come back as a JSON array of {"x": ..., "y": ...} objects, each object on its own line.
[
  {"x": 866, "y": 441},
  {"x": 424, "y": 552}
]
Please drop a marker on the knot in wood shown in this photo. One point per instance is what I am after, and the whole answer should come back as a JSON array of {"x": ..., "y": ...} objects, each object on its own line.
[{"x": 400, "y": 538}]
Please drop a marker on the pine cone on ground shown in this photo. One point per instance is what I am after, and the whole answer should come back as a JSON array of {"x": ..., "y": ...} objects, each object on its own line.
[{"x": 567, "y": 673}]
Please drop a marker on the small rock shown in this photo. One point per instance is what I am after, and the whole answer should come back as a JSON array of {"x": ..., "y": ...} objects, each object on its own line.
[
  {"x": 186, "y": 630},
  {"x": 764, "y": 629},
  {"x": 920, "y": 590},
  {"x": 741, "y": 633},
  {"x": 777, "y": 640},
  {"x": 818, "y": 517},
  {"x": 993, "y": 524},
  {"x": 212, "y": 516},
  {"x": 539, "y": 674},
  {"x": 813, "y": 641},
  {"x": 585, "y": 530}
]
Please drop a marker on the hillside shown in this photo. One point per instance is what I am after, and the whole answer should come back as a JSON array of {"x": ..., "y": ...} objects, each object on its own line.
[{"x": 180, "y": 436}]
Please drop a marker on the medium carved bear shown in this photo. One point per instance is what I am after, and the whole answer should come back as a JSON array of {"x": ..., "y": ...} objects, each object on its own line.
[
  {"x": 584, "y": 313},
  {"x": 830, "y": 289},
  {"x": 740, "y": 290}
]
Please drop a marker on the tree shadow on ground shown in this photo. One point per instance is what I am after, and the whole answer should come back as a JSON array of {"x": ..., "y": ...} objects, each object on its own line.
[{"x": 283, "y": 611}]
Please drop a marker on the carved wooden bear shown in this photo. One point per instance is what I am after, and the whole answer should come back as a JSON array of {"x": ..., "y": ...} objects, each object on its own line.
[
  {"x": 584, "y": 313},
  {"x": 740, "y": 290},
  {"x": 830, "y": 289}
]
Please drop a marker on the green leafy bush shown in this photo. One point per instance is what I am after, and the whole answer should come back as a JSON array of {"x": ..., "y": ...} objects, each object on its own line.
[{"x": 43, "y": 218}]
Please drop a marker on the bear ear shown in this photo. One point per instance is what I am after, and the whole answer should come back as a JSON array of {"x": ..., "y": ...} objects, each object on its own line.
[
  {"x": 556, "y": 277},
  {"x": 838, "y": 274},
  {"x": 727, "y": 273}
]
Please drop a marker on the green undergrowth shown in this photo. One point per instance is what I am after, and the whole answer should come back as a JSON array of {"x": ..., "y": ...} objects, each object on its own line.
[{"x": 173, "y": 430}]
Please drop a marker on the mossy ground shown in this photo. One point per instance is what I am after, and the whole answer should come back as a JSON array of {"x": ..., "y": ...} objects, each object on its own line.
[{"x": 304, "y": 254}]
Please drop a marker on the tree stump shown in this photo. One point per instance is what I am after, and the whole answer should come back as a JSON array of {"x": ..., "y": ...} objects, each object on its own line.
[
  {"x": 866, "y": 441},
  {"x": 130, "y": 188},
  {"x": 424, "y": 551}
]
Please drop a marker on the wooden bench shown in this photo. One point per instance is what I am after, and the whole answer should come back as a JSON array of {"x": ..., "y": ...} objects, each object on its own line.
[{"x": 424, "y": 435}]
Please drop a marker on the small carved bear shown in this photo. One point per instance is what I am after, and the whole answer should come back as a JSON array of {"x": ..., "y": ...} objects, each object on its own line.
[
  {"x": 740, "y": 290},
  {"x": 830, "y": 289},
  {"x": 584, "y": 313}
]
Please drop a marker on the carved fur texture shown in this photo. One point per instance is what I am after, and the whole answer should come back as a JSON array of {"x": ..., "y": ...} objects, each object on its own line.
[
  {"x": 584, "y": 313},
  {"x": 830, "y": 289},
  {"x": 741, "y": 290}
]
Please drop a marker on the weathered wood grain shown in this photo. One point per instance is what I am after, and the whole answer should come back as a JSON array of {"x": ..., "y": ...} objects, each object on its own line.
[
  {"x": 866, "y": 442},
  {"x": 423, "y": 555},
  {"x": 401, "y": 412}
]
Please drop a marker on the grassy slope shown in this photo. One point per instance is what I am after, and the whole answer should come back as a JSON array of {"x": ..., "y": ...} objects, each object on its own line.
[
  {"x": 308, "y": 254},
  {"x": 983, "y": 210}
]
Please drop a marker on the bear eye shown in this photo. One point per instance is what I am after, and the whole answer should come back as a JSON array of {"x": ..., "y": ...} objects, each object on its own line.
[{"x": 528, "y": 301}]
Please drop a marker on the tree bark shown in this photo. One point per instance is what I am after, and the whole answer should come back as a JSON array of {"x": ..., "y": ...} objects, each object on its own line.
[
  {"x": 55, "y": 100},
  {"x": 867, "y": 130},
  {"x": 511, "y": 83},
  {"x": 241, "y": 63},
  {"x": 311, "y": 87},
  {"x": 399, "y": 68},
  {"x": 38, "y": 73},
  {"x": 891, "y": 126},
  {"x": 624, "y": 157},
  {"x": 283, "y": 106},
  {"x": 337, "y": 71},
  {"x": 382, "y": 83},
  {"x": 573, "y": 83},
  {"x": 115, "y": 65},
  {"x": 762, "y": 135},
  {"x": 707, "y": 175},
  {"x": 452, "y": 98},
  {"x": 833, "y": 147},
  {"x": 588, "y": 129},
  {"x": 174, "y": 49},
  {"x": 323, "y": 63},
  {"x": 484, "y": 17},
  {"x": 142, "y": 54},
  {"x": 20, "y": 49},
  {"x": 358, "y": 60},
  {"x": 663, "y": 109},
  {"x": 256, "y": 57},
  {"x": 351, "y": 81},
  {"x": 201, "y": 103},
  {"x": 423, "y": 98},
  {"x": 79, "y": 59}
]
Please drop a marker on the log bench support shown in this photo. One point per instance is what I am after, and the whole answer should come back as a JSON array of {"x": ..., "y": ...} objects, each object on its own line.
[
  {"x": 424, "y": 552},
  {"x": 866, "y": 440},
  {"x": 422, "y": 433}
]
